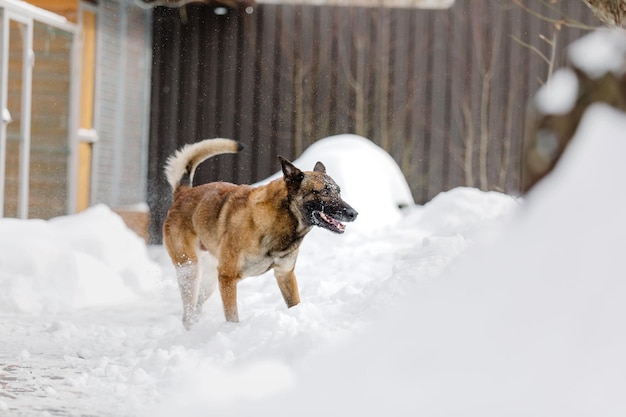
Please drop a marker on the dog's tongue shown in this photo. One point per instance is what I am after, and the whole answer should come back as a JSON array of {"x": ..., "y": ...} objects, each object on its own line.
[{"x": 333, "y": 222}]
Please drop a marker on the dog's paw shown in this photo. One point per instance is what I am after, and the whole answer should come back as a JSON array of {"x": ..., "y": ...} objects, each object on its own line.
[{"x": 189, "y": 319}]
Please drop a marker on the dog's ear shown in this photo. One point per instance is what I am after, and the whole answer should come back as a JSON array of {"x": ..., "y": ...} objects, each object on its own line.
[
  {"x": 319, "y": 167},
  {"x": 292, "y": 175}
]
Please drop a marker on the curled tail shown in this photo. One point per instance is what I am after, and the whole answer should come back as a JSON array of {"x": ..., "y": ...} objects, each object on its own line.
[{"x": 182, "y": 165}]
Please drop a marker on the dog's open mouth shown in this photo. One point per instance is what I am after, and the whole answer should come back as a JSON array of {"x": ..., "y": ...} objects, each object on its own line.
[{"x": 329, "y": 223}]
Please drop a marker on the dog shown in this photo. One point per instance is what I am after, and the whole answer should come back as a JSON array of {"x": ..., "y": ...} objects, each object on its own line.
[{"x": 246, "y": 230}]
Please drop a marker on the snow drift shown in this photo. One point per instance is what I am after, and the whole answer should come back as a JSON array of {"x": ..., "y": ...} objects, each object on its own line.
[
  {"x": 71, "y": 262},
  {"x": 530, "y": 325}
]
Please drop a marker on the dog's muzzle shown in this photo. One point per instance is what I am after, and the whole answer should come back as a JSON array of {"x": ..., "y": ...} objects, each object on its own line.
[{"x": 333, "y": 221}]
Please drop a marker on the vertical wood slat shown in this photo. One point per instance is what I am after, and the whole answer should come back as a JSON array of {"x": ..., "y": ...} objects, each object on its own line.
[
  {"x": 420, "y": 77},
  {"x": 438, "y": 129},
  {"x": 410, "y": 80},
  {"x": 458, "y": 83},
  {"x": 246, "y": 96},
  {"x": 162, "y": 117},
  {"x": 342, "y": 55},
  {"x": 210, "y": 85},
  {"x": 401, "y": 98}
]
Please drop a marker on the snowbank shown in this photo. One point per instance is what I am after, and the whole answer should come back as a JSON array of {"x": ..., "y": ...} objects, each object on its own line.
[
  {"x": 90, "y": 259},
  {"x": 530, "y": 325}
]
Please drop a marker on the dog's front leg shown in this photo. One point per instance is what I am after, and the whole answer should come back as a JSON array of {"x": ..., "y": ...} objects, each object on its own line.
[
  {"x": 188, "y": 275},
  {"x": 288, "y": 287},
  {"x": 228, "y": 291}
]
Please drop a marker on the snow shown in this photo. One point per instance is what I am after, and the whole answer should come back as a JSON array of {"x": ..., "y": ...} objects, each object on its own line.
[
  {"x": 71, "y": 262},
  {"x": 90, "y": 318},
  {"x": 529, "y": 324},
  {"x": 474, "y": 304},
  {"x": 596, "y": 54},
  {"x": 558, "y": 96},
  {"x": 600, "y": 52}
]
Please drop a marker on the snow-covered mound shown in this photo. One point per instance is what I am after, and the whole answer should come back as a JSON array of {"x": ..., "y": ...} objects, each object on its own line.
[
  {"x": 369, "y": 178},
  {"x": 71, "y": 262},
  {"x": 530, "y": 325}
]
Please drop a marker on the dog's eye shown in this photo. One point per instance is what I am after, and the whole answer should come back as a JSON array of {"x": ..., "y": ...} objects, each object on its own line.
[{"x": 326, "y": 191}]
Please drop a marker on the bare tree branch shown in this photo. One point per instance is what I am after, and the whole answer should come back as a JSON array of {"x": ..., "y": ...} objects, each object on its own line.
[
  {"x": 532, "y": 48},
  {"x": 552, "y": 42},
  {"x": 564, "y": 21}
]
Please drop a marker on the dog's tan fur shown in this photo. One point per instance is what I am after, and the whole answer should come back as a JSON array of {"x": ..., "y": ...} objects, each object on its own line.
[{"x": 249, "y": 230}]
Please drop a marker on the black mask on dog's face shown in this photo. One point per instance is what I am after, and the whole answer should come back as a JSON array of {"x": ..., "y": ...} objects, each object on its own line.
[{"x": 321, "y": 203}]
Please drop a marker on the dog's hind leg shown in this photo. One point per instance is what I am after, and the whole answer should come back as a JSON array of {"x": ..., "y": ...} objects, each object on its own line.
[
  {"x": 188, "y": 275},
  {"x": 208, "y": 278},
  {"x": 182, "y": 248}
]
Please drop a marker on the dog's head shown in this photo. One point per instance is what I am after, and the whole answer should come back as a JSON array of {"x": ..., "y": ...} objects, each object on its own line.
[{"x": 317, "y": 197}]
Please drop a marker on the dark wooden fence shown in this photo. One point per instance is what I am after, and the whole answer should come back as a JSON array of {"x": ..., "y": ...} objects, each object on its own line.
[{"x": 445, "y": 92}]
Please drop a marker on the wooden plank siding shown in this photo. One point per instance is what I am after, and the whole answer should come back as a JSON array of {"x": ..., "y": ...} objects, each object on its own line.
[
  {"x": 49, "y": 122},
  {"x": 445, "y": 92}
]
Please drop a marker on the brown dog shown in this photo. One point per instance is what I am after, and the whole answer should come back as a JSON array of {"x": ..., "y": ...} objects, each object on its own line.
[{"x": 248, "y": 230}]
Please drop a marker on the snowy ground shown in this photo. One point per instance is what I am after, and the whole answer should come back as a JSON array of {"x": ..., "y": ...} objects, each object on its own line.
[
  {"x": 476, "y": 304},
  {"x": 90, "y": 319}
]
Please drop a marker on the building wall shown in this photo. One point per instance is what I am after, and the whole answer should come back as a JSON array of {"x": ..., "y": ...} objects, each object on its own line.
[
  {"x": 123, "y": 67},
  {"x": 116, "y": 172},
  {"x": 50, "y": 107}
]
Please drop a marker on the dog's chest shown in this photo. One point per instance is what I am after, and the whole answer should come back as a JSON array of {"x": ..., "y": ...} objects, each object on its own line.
[
  {"x": 253, "y": 266},
  {"x": 274, "y": 252},
  {"x": 281, "y": 245}
]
